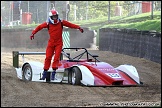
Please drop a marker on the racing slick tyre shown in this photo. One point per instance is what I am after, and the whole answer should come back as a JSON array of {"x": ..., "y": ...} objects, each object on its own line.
[
  {"x": 27, "y": 73},
  {"x": 75, "y": 76},
  {"x": 69, "y": 77}
]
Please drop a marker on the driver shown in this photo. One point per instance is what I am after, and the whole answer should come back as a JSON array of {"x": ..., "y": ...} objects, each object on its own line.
[{"x": 55, "y": 42}]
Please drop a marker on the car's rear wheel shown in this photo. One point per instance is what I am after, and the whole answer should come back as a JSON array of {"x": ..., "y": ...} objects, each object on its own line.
[
  {"x": 75, "y": 76},
  {"x": 27, "y": 73}
]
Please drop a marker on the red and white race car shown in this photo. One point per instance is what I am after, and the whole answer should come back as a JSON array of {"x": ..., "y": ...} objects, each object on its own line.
[{"x": 80, "y": 69}]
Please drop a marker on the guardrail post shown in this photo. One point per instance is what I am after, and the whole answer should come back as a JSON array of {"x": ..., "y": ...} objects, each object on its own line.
[{"x": 15, "y": 55}]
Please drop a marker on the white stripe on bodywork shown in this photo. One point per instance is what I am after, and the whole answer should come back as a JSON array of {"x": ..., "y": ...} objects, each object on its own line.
[
  {"x": 87, "y": 76},
  {"x": 130, "y": 70},
  {"x": 19, "y": 73},
  {"x": 37, "y": 69}
]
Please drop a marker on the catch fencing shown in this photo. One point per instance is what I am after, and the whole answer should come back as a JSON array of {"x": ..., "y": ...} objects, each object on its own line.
[{"x": 143, "y": 44}]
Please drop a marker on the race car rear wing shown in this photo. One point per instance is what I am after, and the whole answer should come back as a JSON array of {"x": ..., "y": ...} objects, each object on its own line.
[{"x": 15, "y": 55}]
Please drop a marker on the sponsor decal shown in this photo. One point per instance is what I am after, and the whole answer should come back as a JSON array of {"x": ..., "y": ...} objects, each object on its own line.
[
  {"x": 104, "y": 69},
  {"x": 113, "y": 75}
]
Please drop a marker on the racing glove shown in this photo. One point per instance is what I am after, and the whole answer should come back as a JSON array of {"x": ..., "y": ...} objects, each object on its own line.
[
  {"x": 32, "y": 36},
  {"x": 81, "y": 30}
]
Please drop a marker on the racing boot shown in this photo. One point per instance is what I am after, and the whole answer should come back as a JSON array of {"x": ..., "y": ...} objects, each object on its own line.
[
  {"x": 44, "y": 75},
  {"x": 53, "y": 75}
]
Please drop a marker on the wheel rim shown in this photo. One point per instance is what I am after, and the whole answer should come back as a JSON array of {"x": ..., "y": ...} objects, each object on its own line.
[
  {"x": 73, "y": 77},
  {"x": 27, "y": 73}
]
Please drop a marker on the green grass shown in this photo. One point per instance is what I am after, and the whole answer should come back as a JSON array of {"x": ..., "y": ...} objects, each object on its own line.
[
  {"x": 143, "y": 25},
  {"x": 140, "y": 22}
]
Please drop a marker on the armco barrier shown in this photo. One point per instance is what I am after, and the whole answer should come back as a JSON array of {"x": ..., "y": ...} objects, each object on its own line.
[{"x": 143, "y": 44}]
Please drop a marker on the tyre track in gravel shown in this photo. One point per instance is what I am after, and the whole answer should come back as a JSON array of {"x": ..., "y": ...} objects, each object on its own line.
[{"x": 16, "y": 93}]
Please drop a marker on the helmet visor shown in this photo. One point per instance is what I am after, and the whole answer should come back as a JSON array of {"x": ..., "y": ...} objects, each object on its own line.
[{"x": 53, "y": 17}]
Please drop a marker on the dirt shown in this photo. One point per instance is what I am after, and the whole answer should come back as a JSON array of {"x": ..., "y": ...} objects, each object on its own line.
[{"x": 17, "y": 93}]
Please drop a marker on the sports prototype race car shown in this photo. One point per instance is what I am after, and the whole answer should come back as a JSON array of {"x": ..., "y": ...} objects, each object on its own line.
[{"x": 78, "y": 66}]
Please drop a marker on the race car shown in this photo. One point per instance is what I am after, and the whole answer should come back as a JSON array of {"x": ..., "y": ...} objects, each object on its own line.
[{"x": 78, "y": 66}]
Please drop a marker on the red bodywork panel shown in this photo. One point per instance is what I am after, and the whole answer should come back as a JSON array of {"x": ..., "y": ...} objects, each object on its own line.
[{"x": 104, "y": 73}]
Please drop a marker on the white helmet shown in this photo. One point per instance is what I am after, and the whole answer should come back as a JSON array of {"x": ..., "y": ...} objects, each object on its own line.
[{"x": 53, "y": 17}]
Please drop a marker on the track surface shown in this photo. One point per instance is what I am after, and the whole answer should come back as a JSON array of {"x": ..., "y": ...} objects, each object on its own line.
[{"x": 16, "y": 93}]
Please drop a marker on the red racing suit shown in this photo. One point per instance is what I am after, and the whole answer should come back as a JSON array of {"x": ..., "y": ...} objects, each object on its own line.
[{"x": 55, "y": 41}]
